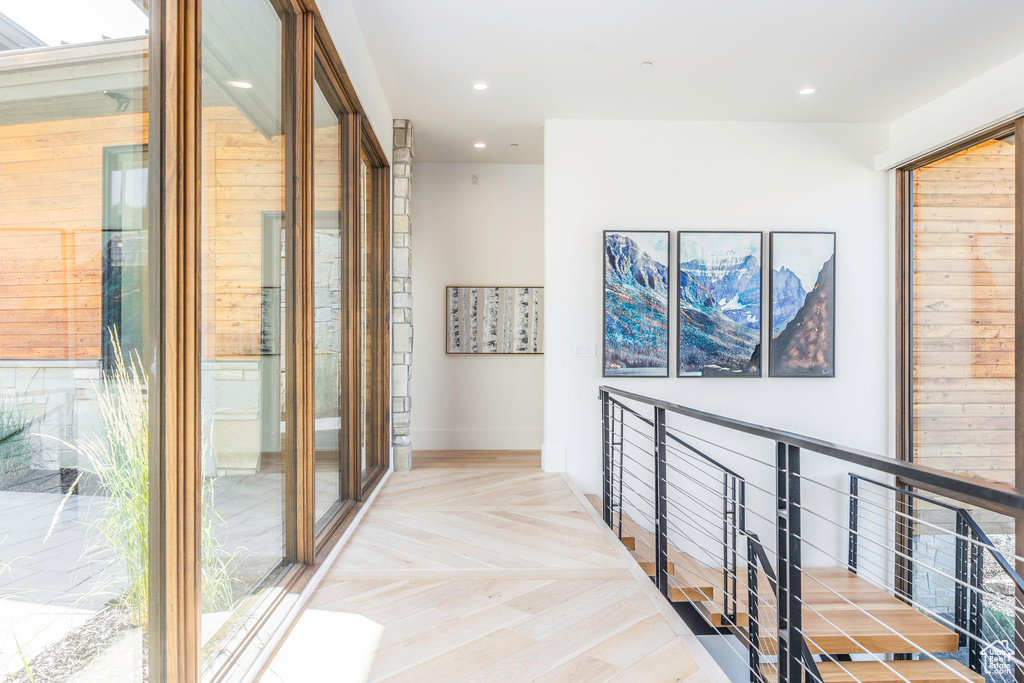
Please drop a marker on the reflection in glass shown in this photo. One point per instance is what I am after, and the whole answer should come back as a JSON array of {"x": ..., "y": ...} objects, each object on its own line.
[
  {"x": 242, "y": 361},
  {"x": 74, "y": 410},
  {"x": 328, "y": 278},
  {"x": 366, "y": 308}
]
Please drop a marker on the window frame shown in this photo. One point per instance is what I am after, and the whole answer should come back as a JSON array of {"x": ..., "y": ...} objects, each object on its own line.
[
  {"x": 175, "y": 298},
  {"x": 904, "y": 428}
]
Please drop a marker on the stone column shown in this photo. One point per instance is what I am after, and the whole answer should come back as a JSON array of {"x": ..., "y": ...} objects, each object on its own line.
[{"x": 401, "y": 288}]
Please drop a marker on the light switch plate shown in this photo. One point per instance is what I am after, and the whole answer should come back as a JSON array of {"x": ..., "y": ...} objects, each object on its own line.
[{"x": 584, "y": 350}]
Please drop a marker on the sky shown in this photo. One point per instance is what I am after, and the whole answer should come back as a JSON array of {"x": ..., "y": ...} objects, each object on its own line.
[
  {"x": 76, "y": 21},
  {"x": 713, "y": 246},
  {"x": 654, "y": 243},
  {"x": 802, "y": 253}
]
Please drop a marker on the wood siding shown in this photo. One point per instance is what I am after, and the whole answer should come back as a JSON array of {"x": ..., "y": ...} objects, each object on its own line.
[
  {"x": 244, "y": 179},
  {"x": 51, "y": 191},
  {"x": 51, "y": 194},
  {"x": 963, "y": 312}
]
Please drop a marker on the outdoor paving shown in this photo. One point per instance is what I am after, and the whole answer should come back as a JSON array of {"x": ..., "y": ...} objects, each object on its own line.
[{"x": 54, "y": 576}]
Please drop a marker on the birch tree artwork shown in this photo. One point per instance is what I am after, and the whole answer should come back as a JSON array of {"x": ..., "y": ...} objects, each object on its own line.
[
  {"x": 496, "y": 320},
  {"x": 454, "y": 327}
]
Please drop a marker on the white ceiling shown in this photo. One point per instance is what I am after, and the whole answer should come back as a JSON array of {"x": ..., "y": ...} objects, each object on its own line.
[{"x": 743, "y": 60}]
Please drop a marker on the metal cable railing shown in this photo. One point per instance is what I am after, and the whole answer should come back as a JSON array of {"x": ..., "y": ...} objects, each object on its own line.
[{"x": 868, "y": 573}]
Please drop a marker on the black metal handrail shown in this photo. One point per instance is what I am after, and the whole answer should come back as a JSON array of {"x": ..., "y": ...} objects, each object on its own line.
[
  {"x": 757, "y": 557},
  {"x": 968, "y": 519},
  {"x": 681, "y": 442},
  {"x": 970, "y": 538},
  {"x": 796, "y": 663},
  {"x": 961, "y": 487},
  {"x": 734, "y": 494}
]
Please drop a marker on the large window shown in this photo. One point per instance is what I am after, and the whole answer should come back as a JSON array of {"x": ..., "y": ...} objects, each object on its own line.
[
  {"x": 959, "y": 283},
  {"x": 961, "y": 320},
  {"x": 180, "y": 338},
  {"x": 331, "y": 271},
  {"x": 244, "y": 306},
  {"x": 74, "y": 345},
  {"x": 374, "y": 250}
]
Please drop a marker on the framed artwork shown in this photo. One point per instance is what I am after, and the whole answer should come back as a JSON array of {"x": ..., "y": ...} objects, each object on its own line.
[
  {"x": 803, "y": 297},
  {"x": 494, "y": 320},
  {"x": 719, "y": 304},
  {"x": 636, "y": 284}
]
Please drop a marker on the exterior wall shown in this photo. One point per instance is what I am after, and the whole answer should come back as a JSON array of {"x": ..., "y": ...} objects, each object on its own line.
[
  {"x": 51, "y": 184},
  {"x": 963, "y": 316}
]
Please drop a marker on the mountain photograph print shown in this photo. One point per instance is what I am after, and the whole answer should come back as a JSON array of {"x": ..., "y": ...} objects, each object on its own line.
[
  {"x": 803, "y": 314},
  {"x": 719, "y": 304},
  {"x": 636, "y": 303}
]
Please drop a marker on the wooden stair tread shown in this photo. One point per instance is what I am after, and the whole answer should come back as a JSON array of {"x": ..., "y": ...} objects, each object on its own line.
[
  {"x": 842, "y": 614},
  {"x": 898, "y": 671},
  {"x": 875, "y": 621}
]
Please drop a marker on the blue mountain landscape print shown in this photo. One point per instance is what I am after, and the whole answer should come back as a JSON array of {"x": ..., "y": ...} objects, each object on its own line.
[
  {"x": 803, "y": 305},
  {"x": 719, "y": 304},
  {"x": 636, "y": 304}
]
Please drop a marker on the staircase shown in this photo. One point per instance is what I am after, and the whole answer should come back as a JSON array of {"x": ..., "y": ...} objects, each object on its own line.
[{"x": 845, "y": 615}]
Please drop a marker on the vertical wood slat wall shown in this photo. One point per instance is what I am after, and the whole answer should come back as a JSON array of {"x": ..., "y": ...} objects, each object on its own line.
[
  {"x": 175, "y": 157},
  {"x": 963, "y": 312}
]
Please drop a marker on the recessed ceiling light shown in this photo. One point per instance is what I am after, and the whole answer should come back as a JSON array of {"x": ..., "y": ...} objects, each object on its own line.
[
  {"x": 646, "y": 63},
  {"x": 806, "y": 91},
  {"x": 480, "y": 86},
  {"x": 244, "y": 85},
  {"x": 480, "y": 145}
]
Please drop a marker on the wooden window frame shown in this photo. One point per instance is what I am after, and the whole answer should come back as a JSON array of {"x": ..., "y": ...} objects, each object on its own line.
[
  {"x": 904, "y": 336},
  {"x": 905, "y": 277},
  {"x": 175, "y": 136}
]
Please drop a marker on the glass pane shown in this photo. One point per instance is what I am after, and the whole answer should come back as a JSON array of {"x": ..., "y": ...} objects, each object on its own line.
[
  {"x": 963, "y": 312},
  {"x": 74, "y": 341},
  {"x": 243, "y": 369},
  {"x": 367, "y": 309},
  {"x": 328, "y": 277}
]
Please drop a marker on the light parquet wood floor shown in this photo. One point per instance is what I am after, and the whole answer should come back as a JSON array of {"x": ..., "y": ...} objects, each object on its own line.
[{"x": 499, "y": 574}]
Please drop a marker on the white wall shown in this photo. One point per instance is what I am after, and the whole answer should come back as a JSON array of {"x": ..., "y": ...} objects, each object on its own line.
[
  {"x": 343, "y": 25},
  {"x": 993, "y": 97},
  {"x": 491, "y": 233},
  {"x": 731, "y": 176}
]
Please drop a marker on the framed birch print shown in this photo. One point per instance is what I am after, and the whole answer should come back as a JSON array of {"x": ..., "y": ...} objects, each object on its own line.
[
  {"x": 494, "y": 320},
  {"x": 635, "y": 303},
  {"x": 803, "y": 296},
  {"x": 719, "y": 304}
]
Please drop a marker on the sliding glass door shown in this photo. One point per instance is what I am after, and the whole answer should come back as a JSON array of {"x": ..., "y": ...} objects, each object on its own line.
[
  {"x": 330, "y": 288},
  {"x": 183, "y": 351},
  {"x": 74, "y": 344}
]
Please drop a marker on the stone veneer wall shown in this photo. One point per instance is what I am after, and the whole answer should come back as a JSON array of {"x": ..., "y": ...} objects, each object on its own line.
[{"x": 401, "y": 287}]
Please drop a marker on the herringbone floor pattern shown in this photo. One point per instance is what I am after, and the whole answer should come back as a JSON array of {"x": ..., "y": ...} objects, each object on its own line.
[{"x": 490, "y": 574}]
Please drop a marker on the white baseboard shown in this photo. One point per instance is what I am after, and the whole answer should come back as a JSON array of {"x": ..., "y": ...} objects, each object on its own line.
[{"x": 522, "y": 439}]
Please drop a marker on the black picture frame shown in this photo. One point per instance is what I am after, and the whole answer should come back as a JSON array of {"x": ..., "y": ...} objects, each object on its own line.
[
  {"x": 679, "y": 302},
  {"x": 775, "y": 368},
  {"x": 604, "y": 307}
]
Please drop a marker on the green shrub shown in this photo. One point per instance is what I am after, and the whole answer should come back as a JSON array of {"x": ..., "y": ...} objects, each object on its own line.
[
  {"x": 120, "y": 461},
  {"x": 15, "y": 443}
]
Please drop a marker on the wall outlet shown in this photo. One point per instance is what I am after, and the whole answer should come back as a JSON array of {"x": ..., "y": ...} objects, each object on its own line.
[
  {"x": 584, "y": 350},
  {"x": 476, "y": 179}
]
